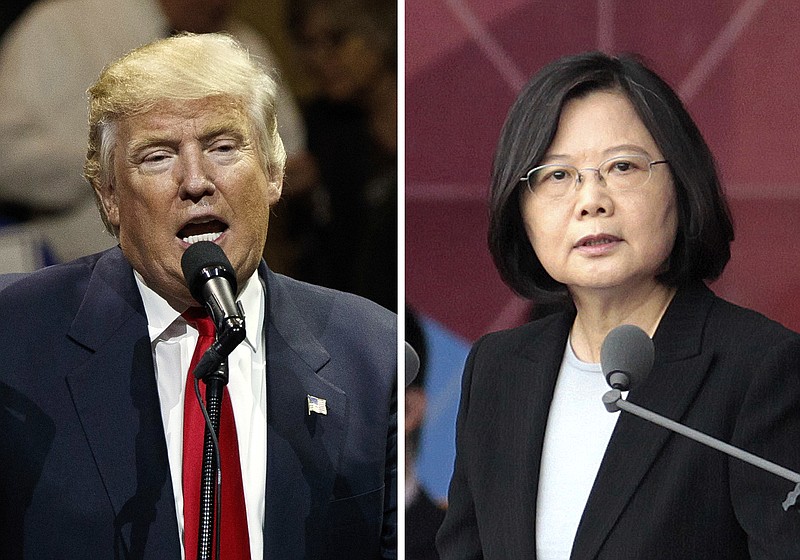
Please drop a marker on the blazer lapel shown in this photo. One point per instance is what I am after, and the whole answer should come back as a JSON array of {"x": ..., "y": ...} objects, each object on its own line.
[
  {"x": 303, "y": 445},
  {"x": 516, "y": 386},
  {"x": 679, "y": 371},
  {"x": 116, "y": 399}
]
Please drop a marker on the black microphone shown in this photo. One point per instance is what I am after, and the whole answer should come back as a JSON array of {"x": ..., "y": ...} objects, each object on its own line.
[
  {"x": 412, "y": 364},
  {"x": 212, "y": 282},
  {"x": 626, "y": 359}
]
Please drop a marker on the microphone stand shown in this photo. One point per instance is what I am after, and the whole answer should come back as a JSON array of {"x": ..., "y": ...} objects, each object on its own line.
[
  {"x": 614, "y": 402},
  {"x": 213, "y": 370},
  {"x": 208, "y": 529}
]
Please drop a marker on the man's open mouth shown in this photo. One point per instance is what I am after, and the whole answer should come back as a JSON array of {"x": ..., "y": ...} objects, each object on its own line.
[{"x": 209, "y": 230}]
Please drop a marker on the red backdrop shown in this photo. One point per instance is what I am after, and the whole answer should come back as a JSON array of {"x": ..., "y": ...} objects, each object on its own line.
[{"x": 734, "y": 63}]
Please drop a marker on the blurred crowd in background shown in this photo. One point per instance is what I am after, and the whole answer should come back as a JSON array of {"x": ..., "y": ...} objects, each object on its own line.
[{"x": 336, "y": 61}]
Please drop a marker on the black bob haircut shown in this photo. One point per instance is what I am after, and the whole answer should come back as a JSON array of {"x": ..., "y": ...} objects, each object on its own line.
[{"x": 705, "y": 229}]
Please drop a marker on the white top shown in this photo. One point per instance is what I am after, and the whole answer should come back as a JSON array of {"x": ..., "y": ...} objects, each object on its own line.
[
  {"x": 578, "y": 431},
  {"x": 173, "y": 342}
]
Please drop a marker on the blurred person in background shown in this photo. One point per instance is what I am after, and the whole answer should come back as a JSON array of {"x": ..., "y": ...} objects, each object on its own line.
[
  {"x": 48, "y": 59},
  {"x": 423, "y": 515},
  {"x": 347, "y": 205}
]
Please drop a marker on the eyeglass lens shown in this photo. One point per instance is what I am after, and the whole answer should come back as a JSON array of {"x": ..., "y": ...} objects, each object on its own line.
[{"x": 617, "y": 173}]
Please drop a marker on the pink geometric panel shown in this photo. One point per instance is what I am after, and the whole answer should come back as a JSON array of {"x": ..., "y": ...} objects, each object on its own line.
[{"x": 735, "y": 63}]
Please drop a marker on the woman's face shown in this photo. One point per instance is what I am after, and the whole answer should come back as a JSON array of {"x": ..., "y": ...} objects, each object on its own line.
[{"x": 595, "y": 238}]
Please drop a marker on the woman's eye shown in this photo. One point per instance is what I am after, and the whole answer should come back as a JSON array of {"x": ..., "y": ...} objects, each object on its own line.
[
  {"x": 627, "y": 165},
  {"x": 559, "y": 175}
]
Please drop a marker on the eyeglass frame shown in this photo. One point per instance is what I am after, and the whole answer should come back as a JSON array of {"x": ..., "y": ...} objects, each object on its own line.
[{"x": 578, "y": 178}]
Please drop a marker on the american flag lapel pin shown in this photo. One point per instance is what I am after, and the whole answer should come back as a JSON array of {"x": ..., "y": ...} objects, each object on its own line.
[{"x": 316, "y": 404}]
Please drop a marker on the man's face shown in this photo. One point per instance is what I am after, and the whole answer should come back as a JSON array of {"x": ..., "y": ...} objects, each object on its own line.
[{"x": 183, "y": 172}]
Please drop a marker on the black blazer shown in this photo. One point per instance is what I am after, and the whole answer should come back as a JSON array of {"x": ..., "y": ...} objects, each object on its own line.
[
  {"x": 83, "y": 459},
  {"x": 721, "y": 369}
]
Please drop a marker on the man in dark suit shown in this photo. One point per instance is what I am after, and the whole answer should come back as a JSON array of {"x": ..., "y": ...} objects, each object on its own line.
[{"x": 184, "y": 147}]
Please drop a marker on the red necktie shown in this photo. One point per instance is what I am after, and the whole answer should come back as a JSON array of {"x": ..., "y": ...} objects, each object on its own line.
[{"x": 234, "y": 540}]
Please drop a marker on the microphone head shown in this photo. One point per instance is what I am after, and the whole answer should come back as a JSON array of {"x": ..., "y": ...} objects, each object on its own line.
[
  {"x": 412, "y": 364},
  {"x": 629, "y": 351},
  {"x": 201, "y": 262}
]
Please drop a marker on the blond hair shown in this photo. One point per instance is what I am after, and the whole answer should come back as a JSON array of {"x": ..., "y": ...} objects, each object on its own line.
[{"x": 183, "y": 67}]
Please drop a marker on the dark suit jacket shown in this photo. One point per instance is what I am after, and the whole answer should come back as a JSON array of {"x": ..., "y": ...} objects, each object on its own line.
[
  {"x": 721, "y": 369},
  {"x": 82, "y": 448}
]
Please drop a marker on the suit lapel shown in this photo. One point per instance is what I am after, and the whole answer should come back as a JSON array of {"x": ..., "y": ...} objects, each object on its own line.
[
  {"x": 512, "y": 385},
  {"x": 116, "y": 399},
  {"x": 303, "y": 448},
  {"x": 679, "y": 371}
]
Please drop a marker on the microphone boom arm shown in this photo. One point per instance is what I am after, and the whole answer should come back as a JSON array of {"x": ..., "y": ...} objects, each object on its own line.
[
  {"x": 229, "y": 337},
  {"x": 614, "y": 402}
]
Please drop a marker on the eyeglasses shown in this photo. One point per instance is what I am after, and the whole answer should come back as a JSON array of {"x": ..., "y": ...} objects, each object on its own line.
[{"x": 619, "y": 174}]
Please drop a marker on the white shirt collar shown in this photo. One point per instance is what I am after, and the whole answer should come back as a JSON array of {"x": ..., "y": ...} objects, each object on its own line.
[{"x": 161, "y": 316}]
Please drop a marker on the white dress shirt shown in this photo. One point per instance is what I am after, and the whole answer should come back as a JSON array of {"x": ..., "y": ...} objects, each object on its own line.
[{"x": 173, "y": 342}]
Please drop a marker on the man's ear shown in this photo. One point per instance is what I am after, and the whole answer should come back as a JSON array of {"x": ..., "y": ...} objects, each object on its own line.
[
  {"x": 275, "y": 190},
  {"x": 110, "y": 200}
]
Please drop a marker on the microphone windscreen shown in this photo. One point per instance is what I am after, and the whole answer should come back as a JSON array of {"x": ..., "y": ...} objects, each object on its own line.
[
  {"x": 204, "y": 260},
  {"x": 412, "y": 364},
  {"x": 627, "y": 349}
]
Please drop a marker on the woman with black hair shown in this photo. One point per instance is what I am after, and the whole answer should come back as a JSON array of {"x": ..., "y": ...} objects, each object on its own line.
[{"x": 605, "y": 196}]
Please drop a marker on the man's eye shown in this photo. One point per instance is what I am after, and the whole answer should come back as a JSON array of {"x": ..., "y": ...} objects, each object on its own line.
[
  {"x": 224, "y": 147},
  {"x": 155, "y": 158}
]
